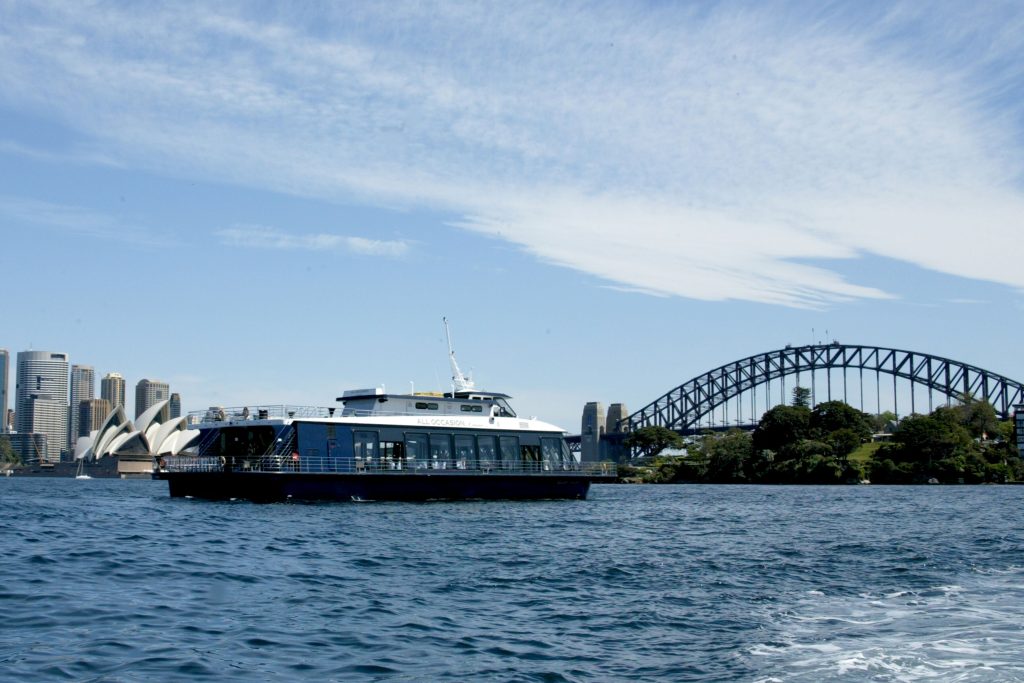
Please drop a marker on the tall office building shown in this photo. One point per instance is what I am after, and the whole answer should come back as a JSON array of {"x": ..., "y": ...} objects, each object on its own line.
[
  {"x": 175, "y": 405},
  {"x": 83, "y": 388},
  {"x": 5, "y": 370},
  {"x": 41, "y": 400},
  {"x": 91, "y": 414},
  {"x": 149, "y": 392},
  {"x": 112, "y": 389}
]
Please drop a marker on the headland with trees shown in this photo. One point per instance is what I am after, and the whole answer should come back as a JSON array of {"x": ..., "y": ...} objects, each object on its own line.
[{"x": 834, "y": 443}]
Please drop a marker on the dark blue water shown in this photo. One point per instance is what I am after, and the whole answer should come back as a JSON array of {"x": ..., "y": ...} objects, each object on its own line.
[{"x": 114, "y": 581}]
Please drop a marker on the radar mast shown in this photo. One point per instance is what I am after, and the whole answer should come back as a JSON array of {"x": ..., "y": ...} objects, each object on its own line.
[{"x": 459, "y": 381}]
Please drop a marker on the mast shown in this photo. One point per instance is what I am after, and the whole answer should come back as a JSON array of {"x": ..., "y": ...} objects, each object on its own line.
[{"x": 459, "y": 381}]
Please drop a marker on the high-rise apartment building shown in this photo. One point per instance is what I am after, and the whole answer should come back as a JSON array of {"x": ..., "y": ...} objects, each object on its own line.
[
  {"x": 41, "y": 400},
  {"x": 149, "y": 392},
  {"x": 175, "y": 405},
  {"x": 5, "y": 371},
  {"x": 91, "y": 415},
  {"x": 112, "y": 389},
  {"x": 83, "y": 388}
]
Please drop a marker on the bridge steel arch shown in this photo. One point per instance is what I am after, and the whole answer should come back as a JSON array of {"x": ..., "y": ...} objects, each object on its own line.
[{"x": 682, "y": 408}]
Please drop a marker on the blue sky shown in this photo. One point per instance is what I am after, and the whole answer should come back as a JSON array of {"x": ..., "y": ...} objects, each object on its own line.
[{"x": 260, "y": 203}]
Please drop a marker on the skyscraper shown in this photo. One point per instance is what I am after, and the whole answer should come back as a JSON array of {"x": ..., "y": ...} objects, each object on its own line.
[
  {"x": 41, "y": 400},
  {"x": 175, "y": 405},
  {"x": 83, "y": 388},
  {"x": 112, "y": 389},
  {"x": 5, "y": 367},
  {"x": 149, "y": 392},
  {"x": 91, "y": 414}
]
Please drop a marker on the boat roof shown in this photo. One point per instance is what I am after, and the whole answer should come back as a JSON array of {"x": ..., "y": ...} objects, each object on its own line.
[{"x": 378, "y": 393}]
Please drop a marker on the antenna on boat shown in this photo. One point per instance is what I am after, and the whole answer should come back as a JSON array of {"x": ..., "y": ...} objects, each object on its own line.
[{"x": 459, "y": 381}]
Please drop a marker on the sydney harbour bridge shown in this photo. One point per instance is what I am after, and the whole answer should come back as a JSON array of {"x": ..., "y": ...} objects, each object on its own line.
[{"x": 873, "y": 379}]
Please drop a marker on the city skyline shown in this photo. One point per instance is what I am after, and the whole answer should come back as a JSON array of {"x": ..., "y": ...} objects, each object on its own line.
[
  {"x": 604, "y": 200},
  {"x": 54, "y": 395}
]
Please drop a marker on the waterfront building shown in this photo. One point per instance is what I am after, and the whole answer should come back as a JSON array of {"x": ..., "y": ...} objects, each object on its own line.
[
  {"x": 149, "y": 392},
  {"x": 46, "y": 417},
  {"x": 175, "y": 406},
  {"x": 41, "y": 398},
  {"x": 5, "y": 371},
  {"x": 31, "y": 448},
  {"x": 83, "y": 388},
  {"x": 91, "y": 414},
  {"x": 112, "y": 389}
]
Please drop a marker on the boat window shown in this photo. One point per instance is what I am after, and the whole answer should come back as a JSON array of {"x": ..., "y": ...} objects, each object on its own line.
[
  {"x": 364, "y": 446},
  {"x": 531, "y": 456},
  {"x": 417, "y": 450},
  {"x": 487, "y": 448},
  {"x": 504, "y": 409},
  {"x": 423, "y": 405},
  {"x": 465, "y": 452},
  {"x": 472, "y": 409},
  {"x": 240, "y": 441},
  {"x": 440, "y": 451},
  {"x": 392, "y": 455},
  {"x": 567, "y": 458},
  {"x": 551, "y": 451},
  {"x": 509, "y": 452}
]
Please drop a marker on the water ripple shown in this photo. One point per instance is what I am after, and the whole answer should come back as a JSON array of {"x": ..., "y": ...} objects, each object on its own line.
[{"x": 115, "y": 581}]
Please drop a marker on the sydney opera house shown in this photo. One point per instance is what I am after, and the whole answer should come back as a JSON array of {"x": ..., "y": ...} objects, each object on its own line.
[{"x": 135, "y": 445}]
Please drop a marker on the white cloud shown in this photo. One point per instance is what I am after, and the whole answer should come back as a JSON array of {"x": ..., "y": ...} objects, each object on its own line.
[
  {"x": 720, "y": 153},
  {"x": 264, "y": 237}
]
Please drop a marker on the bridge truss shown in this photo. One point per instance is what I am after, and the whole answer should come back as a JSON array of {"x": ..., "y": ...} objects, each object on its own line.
[{"x": 684, "y": 408}]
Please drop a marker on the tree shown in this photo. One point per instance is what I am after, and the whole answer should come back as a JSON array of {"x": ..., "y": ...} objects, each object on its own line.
[
  {"x": 833, "y": 416},
  {"x": 979, "y": 417},
  {"x": 728, "y": 456},
  {"x": 7, "y": 454},
  {"x": 925, "y": 440},
  {"x": 881, "y": 421},
  {"x": 652, "y": 440},
  {"x": 844, "y": 442},
  {"x": 780, "y": 427},
  {"x": 801, "y": 397}
]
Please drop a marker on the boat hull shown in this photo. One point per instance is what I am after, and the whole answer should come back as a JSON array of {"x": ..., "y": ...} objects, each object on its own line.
[{"x": 281, "y": 486}]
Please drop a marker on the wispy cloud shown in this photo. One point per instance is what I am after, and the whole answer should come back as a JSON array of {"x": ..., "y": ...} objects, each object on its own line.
[
  {"x": 79, "y": 220},
  {"x": 264, "y": 237},
  {"x": 707, "y": 152}
]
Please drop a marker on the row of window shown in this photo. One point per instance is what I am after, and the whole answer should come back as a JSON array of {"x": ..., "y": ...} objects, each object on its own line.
[
  {"x": 459, "y": 451},
  {"x": 423, "y": 405}
]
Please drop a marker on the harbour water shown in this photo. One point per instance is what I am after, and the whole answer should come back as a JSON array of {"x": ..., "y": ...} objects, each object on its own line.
[{"x": 114, "y": 581}]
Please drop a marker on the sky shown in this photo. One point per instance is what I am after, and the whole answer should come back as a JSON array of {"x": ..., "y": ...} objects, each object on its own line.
[{"x": 275, "y": 202}]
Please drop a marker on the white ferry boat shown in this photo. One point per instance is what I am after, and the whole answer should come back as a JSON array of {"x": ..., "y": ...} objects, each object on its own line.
[{"x": 463, "y": 444}]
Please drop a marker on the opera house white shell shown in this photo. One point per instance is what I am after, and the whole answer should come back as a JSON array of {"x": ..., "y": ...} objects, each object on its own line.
[{"x": 148, "y": 436}]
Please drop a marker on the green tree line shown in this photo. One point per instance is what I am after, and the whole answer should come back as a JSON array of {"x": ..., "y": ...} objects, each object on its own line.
[{"x": 797, "y": 444}]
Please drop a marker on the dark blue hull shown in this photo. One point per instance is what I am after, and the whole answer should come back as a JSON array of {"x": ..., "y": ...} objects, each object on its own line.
[{"x": 280, "y": 486}]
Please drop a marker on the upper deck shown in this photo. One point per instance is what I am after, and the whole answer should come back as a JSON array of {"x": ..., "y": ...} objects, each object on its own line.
[{"x": 472, "y": 410}]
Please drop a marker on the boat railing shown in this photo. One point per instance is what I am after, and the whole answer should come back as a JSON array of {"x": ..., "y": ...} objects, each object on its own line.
[
  {"x": 257, "y": 412},
  {"x": 395, "y": 466},
  {"x": 283, "y": 412}
]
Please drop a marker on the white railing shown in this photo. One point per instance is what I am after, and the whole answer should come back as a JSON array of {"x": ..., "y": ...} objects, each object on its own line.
[
  {"x": 322, "y": 464},
  {"x": 283, "y": 412},
  {"x": 256, "y": 412}
]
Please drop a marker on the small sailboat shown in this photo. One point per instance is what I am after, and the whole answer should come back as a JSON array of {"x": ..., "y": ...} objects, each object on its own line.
[
  {"x": 80, "y": 474},
  {"x": 82, "y": 447}
]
